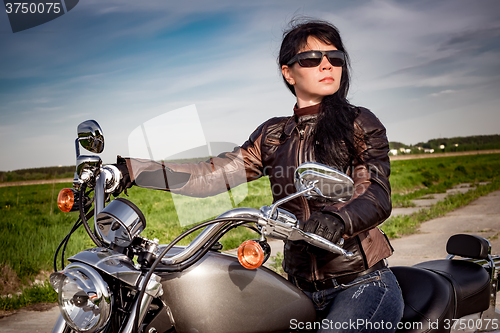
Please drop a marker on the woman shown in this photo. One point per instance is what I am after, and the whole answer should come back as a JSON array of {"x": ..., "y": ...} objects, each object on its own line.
[{"x": 351, "y": 294}]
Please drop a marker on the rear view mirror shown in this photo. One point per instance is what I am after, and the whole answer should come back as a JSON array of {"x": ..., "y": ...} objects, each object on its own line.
[
  {"x": 90, "y": 136},
  {"x": 330, "y": 184}
]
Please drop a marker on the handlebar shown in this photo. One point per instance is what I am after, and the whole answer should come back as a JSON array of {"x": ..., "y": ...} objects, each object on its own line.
[
  {"x": 211, "y": 231},
  {"x": 276, "y": 227}
]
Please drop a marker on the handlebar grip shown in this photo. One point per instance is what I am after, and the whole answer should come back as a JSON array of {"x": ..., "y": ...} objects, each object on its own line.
[{"x": 320, "y": 242}]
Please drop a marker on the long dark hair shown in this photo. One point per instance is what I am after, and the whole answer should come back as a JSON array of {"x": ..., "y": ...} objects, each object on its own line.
[{"x": 334, "y": 135}]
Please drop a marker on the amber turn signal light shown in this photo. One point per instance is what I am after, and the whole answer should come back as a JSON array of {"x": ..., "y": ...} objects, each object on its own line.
[
  {"x": 250, "y": 254},
  {"x": 66, "y": 200}
]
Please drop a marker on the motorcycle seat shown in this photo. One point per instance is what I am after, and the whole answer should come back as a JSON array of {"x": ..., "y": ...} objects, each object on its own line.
[
  {"x": 428, "y": 298},
  {"x": 470, "y": 281}
]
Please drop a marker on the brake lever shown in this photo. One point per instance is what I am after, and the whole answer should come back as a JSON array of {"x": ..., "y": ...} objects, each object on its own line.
[
  {"x": 319, "y": 241},
  {"x": 284, "y": 226}
]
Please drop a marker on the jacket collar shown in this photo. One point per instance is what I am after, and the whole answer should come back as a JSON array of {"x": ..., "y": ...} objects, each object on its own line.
[
  {"x": 305, "y": 111},
  {"x": 301, "y": 115}
]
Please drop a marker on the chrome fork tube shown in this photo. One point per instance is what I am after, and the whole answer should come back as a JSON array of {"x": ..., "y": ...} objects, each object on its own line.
[
  {"x": 153, "y": 289},
  {"x": 99, "y": 193},
  {"x": 60, "y": 325},
  {"x": 146, "y": 302}
]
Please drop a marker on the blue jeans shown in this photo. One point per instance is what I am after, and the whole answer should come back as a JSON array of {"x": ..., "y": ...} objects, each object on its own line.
[{"x": 371, "y": 303}]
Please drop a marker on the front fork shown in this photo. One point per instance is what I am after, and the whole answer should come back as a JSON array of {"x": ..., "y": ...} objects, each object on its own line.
[
  {"x": 145, "y": 303},
  {"x": 60, "y": 325}
]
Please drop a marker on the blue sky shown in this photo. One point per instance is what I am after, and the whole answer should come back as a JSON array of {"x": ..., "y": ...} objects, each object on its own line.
[{"x": 427, "y": 69}]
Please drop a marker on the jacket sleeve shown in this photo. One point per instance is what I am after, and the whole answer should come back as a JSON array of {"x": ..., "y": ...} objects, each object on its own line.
[
  {"x": 371, "y": 203},
  {"x": 214, "y": 176}
]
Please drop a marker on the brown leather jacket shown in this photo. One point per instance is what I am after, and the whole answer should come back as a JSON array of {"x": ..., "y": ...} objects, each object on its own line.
[{"x": 275, "y": 149}]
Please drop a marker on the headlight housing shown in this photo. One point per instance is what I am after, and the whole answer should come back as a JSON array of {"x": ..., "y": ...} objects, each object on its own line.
[{"x": 84, "y": 297}]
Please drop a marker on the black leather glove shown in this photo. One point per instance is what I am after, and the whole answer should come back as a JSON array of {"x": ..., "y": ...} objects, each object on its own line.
[
  {"x": 126, "y": 181},
  {"x": 325, "y": 225}
]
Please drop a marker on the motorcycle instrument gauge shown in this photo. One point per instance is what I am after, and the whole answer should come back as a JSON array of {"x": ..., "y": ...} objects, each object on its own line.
[{"x": 120, "y": 222}]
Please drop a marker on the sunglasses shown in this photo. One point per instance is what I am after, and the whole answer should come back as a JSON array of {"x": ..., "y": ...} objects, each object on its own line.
[{"x": 314, "y": 58}]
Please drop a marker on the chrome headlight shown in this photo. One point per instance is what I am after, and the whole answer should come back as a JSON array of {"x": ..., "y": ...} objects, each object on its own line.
[{"x": 84, "y": 298}]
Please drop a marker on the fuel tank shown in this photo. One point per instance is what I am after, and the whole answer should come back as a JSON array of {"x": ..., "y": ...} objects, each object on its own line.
[{"x": 218, "y": 295}]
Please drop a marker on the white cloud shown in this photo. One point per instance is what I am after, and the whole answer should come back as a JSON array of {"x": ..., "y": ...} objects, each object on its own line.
[{"x": 443, "y": 92}]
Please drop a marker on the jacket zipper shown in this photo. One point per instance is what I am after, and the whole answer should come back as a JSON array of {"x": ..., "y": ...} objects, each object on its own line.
[
  {"x": 299, "y": 154},
  {"x": 303, "y": 200}
]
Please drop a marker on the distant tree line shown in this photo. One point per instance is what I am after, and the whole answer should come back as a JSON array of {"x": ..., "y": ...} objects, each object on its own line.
[
  {"x": 456, "y": 144},
  {"x": 37, "y": 174}
]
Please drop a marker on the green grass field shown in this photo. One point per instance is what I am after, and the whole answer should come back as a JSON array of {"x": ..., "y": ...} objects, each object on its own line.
[
  {"x": 411, "y": 179},
  {"x": 31, "y": 225}
]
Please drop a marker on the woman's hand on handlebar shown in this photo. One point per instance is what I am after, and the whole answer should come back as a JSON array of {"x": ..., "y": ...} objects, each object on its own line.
[
  {"x": 125, "y": 182},
  {"x": 325, "y": 225}
]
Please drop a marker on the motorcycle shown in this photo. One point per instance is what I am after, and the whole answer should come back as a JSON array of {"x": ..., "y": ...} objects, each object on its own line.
[{"x": 129, "y": 283}]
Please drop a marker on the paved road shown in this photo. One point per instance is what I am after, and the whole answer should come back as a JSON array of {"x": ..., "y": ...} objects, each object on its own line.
[
  {"x": 30, "y": 321},
  {"x": 481, "y": 217}
]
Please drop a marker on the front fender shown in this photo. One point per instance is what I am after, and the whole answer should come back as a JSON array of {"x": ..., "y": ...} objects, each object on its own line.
[{"x": 112, "y": 263}]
